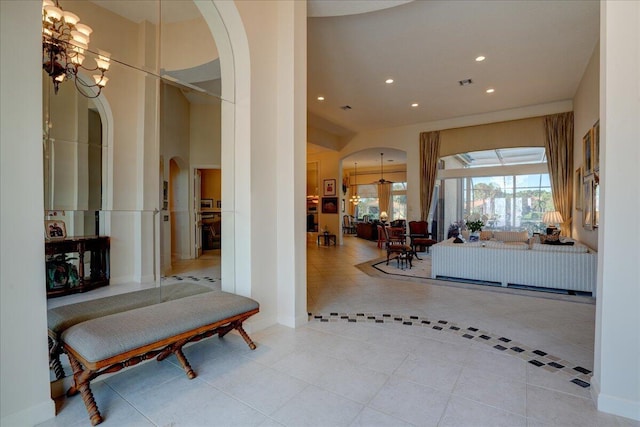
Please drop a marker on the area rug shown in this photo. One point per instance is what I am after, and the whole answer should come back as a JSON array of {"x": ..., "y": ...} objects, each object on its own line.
[{"x": 420, "y": 272}]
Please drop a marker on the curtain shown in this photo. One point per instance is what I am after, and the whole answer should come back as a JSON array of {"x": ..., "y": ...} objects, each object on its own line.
[
  {"x": 384, "y": 195},
  {"x": 351, "y": 209},
  {"x": 558, "y": 129},
  {"x": 429, "y": 156}
]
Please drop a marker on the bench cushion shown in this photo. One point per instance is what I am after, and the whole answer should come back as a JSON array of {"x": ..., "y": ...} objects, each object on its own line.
[
  {"x": 61, "y": 318},
  {"x": 105, "y": 337}
]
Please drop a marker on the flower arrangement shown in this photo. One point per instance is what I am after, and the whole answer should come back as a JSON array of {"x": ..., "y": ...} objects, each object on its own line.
[{"x": 475, "y": 222}]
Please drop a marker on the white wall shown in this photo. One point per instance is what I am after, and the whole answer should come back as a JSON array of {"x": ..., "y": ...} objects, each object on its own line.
[
  {"x": 616, "y": 380},
  {"x": 586, "y": 111},
  {"x": 24, "y": 371}
]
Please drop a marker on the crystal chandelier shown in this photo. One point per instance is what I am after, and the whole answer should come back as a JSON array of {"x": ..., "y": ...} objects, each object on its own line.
[
  {"x": 64, "y": 42},
  {"x": 355, "y": 199}
]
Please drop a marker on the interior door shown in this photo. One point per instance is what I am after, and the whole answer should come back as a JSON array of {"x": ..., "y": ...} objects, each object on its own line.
[{"x": 197, "y": 238}]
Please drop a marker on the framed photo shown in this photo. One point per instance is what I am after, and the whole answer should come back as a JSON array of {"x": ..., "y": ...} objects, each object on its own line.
[
  {"x": 587, "y": 153},
  {"x": 587, "y": 203},
  {"x": 595, "y": 152},
  {"x": 330, "y": 187},
  {"x": 577, "y": 189},
  {"x": 219, "y": 204},
  {"x": 206, "y": 203},
  {"x": 55, "y": 229},
  {"x": 330, "y": 204}
]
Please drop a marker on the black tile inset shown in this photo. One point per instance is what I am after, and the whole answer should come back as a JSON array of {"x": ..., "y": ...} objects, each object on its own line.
[
  {"x": 485, "y": 337},
  {"x": 503, "y": 339},
  {"x": 379, "y": 321},
  {"x": 317, "y": 316},
  {"x": 413, "y": 317},
  {"x": 517, "y": 349},
  {"x": 386, "y": 315},
  {"x": 581, "y": 369},
  {"x": 344, "y": 317},
  {"x": 360, "y": 314},
  {"x": 333, "y": 314},
  {"x": 426, "y": 322},
  {"x": 540, "y": 352},
  {"x": 555, "y": 365},
  {"x": 443, "y": 322},
  {"x": 371, "y": 317},
  {"x": 472, "y": 329},
  {"x": 407, "y": 323},
  {"x": 467, "y": 336},
  {"x": 499, "y": 347},
  {"x": 398, "y": 319},
  {"x": 536, "y": 362},
  {"x": 324, "y": 320},
  {"x": 581, "y": 383},
  {"x": 454, "y": 328},
  {"x": 437, "y": 328},
  {"x": 352, "y": 320}
]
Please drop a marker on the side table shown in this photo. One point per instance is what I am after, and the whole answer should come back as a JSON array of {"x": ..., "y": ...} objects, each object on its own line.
[{"x": 328, "y": 239}]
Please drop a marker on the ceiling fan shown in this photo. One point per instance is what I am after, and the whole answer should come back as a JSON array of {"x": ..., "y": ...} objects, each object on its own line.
[{"x": 382, "y": 180}]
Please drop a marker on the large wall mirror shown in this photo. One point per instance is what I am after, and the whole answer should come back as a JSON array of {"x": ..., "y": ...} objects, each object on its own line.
[{"x": 124, "y": 164}]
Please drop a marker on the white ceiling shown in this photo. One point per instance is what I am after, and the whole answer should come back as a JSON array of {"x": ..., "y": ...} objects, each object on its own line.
[{"x": 536, "y": 52}]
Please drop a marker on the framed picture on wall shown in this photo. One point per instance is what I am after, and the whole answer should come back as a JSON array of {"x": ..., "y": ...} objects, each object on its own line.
[
  {"x": 329, "y": 187},
  {"x": 55, "y": 229},
  {"x": 587, "y": 203},
  {"x": 596, "y": 146},
  {"x": 577, "y": 189},
  {"x": 330, "y": 205},
  {"x": 206, "y": 203},
  {"x": 587, "y": 153}
]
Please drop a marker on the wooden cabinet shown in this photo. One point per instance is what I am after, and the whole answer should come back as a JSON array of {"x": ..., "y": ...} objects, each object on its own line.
[
  {"x": 65, "y": 264},
  {"x": 367, "y": 230}
]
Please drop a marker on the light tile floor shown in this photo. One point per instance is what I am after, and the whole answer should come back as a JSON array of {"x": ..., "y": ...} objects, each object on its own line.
[{"x": 341, "y": 373}]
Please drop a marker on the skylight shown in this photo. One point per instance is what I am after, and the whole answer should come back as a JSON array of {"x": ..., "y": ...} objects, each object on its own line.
[{"x": 502, "y": 157}]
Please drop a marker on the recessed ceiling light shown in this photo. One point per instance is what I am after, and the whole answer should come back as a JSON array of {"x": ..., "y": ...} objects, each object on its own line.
[
  {"x": 480, "y": 58},
  {"x": 491, "y": 90},
  {"x": 321, "y": 98},
  {"x": 415, "y": 104},
  {"x": 388, "y": 81}
]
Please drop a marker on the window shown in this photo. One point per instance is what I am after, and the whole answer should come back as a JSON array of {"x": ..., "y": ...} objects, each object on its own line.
[
  {"x": 510, "y": 186},
  {"x": 398, "y": 205},
  {"x": 368, "y": 202}
]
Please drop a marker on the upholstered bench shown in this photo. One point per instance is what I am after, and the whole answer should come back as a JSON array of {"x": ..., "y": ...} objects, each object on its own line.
[
  {"x": 110, "y": 343},
  {"x": 61, "y": 318}
]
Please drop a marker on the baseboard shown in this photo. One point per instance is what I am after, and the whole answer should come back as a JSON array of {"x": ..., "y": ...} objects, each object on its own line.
[
  {"x": 615, "y": 405},
  {"x": 31, "y": 416},
  {"x": 257, "y": 325}
]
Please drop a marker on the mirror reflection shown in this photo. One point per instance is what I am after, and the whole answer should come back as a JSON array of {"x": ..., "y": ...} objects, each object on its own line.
[{"x": 132, "y": 177}]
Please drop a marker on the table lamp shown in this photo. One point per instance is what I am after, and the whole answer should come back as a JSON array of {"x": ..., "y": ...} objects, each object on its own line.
[
  {"x": 383, "y": 216},
  {"x": 552, "y": 218}
]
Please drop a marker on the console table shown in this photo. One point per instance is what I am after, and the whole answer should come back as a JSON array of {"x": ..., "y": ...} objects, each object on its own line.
[{"x": 64, "y": 276}]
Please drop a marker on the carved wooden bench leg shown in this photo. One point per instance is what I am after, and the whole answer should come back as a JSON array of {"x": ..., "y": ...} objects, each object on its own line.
[
  {"x": 54, "y": 358},
  {"x": 244, "y": 335},
  {"x": 184, "y": 363},
  {"x": 81, "y": 381}
]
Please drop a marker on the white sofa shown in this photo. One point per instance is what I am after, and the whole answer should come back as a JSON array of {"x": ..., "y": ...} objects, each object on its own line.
[{"x": 570, "y": 268}]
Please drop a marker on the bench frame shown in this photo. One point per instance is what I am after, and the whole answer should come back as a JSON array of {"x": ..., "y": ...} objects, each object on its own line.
[{"x": 84, "y": 371}]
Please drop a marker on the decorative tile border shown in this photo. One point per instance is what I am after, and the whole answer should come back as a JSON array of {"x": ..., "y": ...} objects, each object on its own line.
[
  {"x": 574, "y": 373},
  {"x": 190, "y": 278}
]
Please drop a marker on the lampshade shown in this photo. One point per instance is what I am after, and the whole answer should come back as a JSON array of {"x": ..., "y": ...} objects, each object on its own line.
[
  {"x": 383, "y": 216},
  {"x": 552, "y": 217}
]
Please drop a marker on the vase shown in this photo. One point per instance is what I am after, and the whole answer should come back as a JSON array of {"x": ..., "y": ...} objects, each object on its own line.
[{"x": 474, "y": 236}]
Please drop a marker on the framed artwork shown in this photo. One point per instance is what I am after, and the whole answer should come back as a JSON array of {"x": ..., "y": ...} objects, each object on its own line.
[
  {"x": 330, "y": 187},
  {"x": 343, "y": 205},
  {"x": 595, "y": 151},
  {"x": 206, "y": 203},
  {"x": 330, "y": 205},
  {"x": 55, "y": 229},
  {"x": 219, "y": 204},
  {"x": 587, "y": 203},
  {"x": 577, "y": 189},
  {"x": 587, "y": 153}
]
